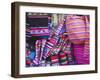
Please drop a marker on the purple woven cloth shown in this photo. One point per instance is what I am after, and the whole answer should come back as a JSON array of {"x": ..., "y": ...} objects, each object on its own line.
[{"x": 80, "y": 57}]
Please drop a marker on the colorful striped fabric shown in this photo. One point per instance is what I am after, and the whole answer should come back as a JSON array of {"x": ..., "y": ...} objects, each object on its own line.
[
  {"x": 78, "y": 53},
  {"x": 81, "y": 53},
  {"x": 38, "y": 51},
  {"x": 76, "y": 27},
  {"x": 51, "y": 42},
  {"x": 39, "y": 31},
  {"x": 78, "y": 32},
  {"x": 54, "y": 59},
  {"x": 86, "y": 55},
  {"x": 63, "y": 59},
  {"x": 87, "y": 43}
]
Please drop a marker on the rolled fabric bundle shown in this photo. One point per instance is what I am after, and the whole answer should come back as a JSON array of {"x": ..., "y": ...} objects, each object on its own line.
[
  {"x": 78, "y": 33},
  {"x": 67, "y": 49},
  {"x": 76, "y": 28},
  {"x": 63, "y": 58},
  {"x": 38, "y": 52},
  {"x": 43, "y": 42},
  {"x": 54, "y": 60}
]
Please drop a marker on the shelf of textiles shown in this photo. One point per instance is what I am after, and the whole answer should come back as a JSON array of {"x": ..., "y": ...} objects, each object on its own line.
[{"x": 48, "y": 42}]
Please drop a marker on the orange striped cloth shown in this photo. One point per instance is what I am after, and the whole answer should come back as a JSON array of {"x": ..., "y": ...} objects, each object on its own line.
[
  {"x": 78, "y": 33},
  {"x": 76, "y": 27}
]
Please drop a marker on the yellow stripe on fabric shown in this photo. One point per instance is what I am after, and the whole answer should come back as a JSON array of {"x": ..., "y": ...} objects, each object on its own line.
[
  {"x": 77, "y": 29},
  {"x": 77, "y": 26},
  {"x": 79, "y": 32},
  {"x": 79, "y": 37},
  {"x": 74, "y": 21}
]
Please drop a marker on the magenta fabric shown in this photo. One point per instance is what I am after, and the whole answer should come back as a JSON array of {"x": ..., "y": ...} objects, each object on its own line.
[{"x": 80, "y": 54}]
